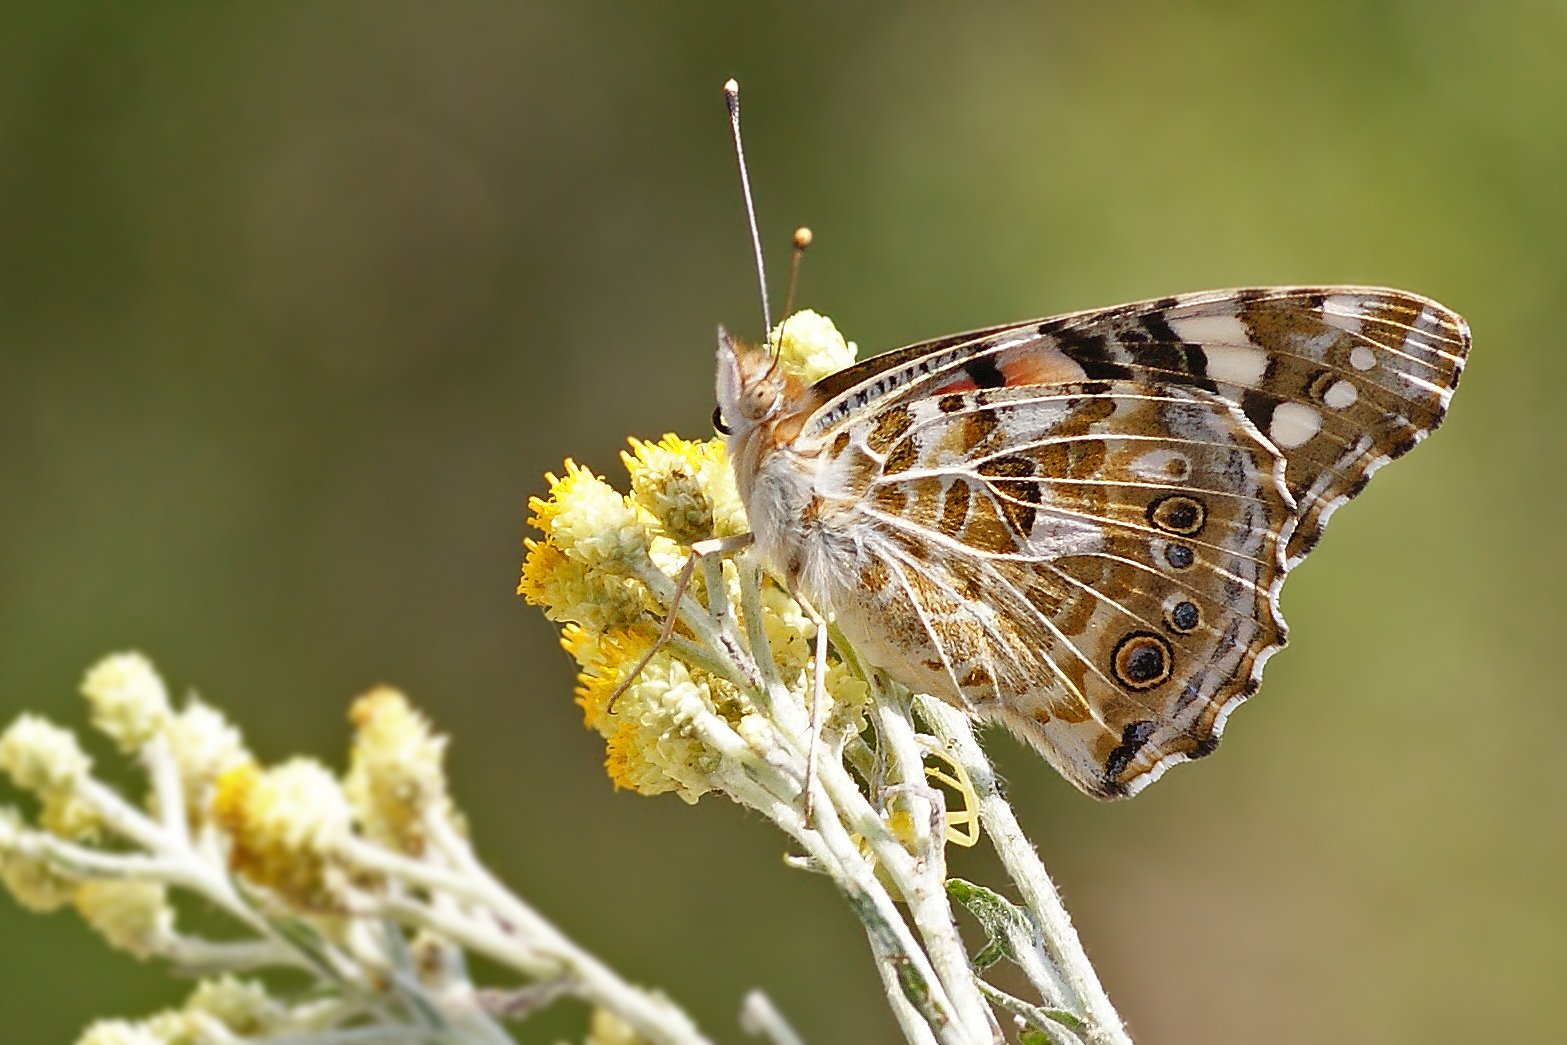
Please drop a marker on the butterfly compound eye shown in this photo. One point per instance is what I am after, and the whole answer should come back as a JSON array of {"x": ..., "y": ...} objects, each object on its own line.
[{"x": 718, "y": 420}]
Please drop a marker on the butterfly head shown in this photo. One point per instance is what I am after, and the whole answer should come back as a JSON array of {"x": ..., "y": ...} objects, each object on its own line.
[
  {"x": 760, "y": 405},
  {"x": 753, "y": 390}
]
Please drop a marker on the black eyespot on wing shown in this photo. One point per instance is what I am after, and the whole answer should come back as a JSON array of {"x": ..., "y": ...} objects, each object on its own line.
[
  {"x": 718, "y": 420},
  {"x": 1179, "y": 514},
  {"x": 1141, "y": 660},
  {"x": 1183, "y": 617}
]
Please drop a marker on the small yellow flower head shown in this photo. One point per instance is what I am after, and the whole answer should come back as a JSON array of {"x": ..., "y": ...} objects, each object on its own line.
[
  {"x": 129, "y": 702},
  {"x": 284, "y": 824},
  {"x": 792, "y": 635},
  {"x": 593, "y": 536},
  {"x": 687, "y": 486},
  {"x": 42, "y": 758},
  {"x": 205, "y": 745},
  {"x": 132, "y": 915},
  {"x": 30, "y": 879},
  {"x": 604, "y": 660},
  {"x": 395, "y": 775},
  {"x": 651, "y": 745},
  {"x": 608, "y": 1029},
  {"x": 589, "y": 520},
  {"x": 121, "y": 1032},
  {"x": 790, "y": 632},
  {"x": 811, "y": 347},
  {"x": 221, "y": 1010},
  {"x": 243, "y": 1007}
]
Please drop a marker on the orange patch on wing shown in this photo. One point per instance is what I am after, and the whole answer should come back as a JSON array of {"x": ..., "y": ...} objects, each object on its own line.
[
  {"x": 1034, "y": 366},
  {"x": 962, "y": 384}
]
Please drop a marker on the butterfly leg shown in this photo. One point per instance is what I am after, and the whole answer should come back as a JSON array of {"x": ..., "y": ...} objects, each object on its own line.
[
  {"x": 818, "y": 694},
  {"x": 699, "y": 550}
]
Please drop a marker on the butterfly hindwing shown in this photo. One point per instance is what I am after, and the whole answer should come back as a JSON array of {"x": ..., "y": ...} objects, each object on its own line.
[{"x": 1094, "y": 564}]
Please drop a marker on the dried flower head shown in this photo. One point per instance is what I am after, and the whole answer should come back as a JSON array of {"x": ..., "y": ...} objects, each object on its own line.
[
  {"x": 284, "y": 824},
  {"x": 129, "y": 702},
  {"x": 47, "y": 760},
  {"x": 27, "y": 875},
  {"x": 395, "y": 776},
  {"x": 204, "y": 745},
  {"x": 809, "y": 346},
  {"x": 134, "y": 916}
]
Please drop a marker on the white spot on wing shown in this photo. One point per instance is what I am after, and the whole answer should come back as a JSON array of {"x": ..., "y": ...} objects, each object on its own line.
[
  {"x": 1161, "y": 465},
  {"x": 1362, "y": 358},
  {"x": 1234, "y": 365},
  {"x": 1430, "y": 322},
  {"x": 1344, "y": 311},
  {"x": 1293, "y": 424},
  {"x": 1340, "y": 394},
  {"x": 1210, "y": 330}
]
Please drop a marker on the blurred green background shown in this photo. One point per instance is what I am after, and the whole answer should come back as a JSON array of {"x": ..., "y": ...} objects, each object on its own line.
[{"x": 299, "y": 300}]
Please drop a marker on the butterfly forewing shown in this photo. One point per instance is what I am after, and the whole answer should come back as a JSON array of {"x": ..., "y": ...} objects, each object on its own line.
[{"x": 1078, "y": 526}]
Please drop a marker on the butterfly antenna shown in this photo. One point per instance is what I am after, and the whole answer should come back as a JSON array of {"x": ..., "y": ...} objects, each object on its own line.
[
  {"x": 732, "y": 98},
  {"x": 802, "y": 240}
]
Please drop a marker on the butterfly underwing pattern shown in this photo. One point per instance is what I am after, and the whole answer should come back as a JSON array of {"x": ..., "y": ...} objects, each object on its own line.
[{"x": 1078, "y": 526}]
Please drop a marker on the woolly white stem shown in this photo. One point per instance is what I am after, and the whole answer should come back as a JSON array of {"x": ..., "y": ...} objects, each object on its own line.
[
  {"x": 925, "y": 889},
  {"x": 1086, "y": 995}
]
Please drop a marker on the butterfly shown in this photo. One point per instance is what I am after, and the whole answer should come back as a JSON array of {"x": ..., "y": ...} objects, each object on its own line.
[{"x": 1078, "y": 526}]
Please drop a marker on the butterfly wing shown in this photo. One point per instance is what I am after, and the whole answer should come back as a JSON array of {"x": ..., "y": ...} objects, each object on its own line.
[
  {"x": 1095, "y": 564},
  {"x": 1079, "y": 526}
]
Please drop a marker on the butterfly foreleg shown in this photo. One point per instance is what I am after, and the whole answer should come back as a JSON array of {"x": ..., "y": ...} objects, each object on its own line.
[
  {"x": 818, "y": 693},
  {"x": 699, "y": 550}
]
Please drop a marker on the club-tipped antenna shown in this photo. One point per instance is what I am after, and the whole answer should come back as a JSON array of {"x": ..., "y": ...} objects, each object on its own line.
[
  {"x": 732, "y": 98},
  {"x": 802, "y": 240}
]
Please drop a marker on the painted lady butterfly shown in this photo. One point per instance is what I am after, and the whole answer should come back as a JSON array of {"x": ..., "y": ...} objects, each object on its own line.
[{"x": 1078, "y": 526}]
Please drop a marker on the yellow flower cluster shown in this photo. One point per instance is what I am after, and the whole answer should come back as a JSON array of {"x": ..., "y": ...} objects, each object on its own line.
[
  {"x": 283, "y": 826},
  {"x": 592, "y": 571},
  {"x": 286, "y": 823}
]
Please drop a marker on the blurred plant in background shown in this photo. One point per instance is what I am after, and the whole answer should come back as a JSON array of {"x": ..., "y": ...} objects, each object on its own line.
[{"x": 364, "y": 887}]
